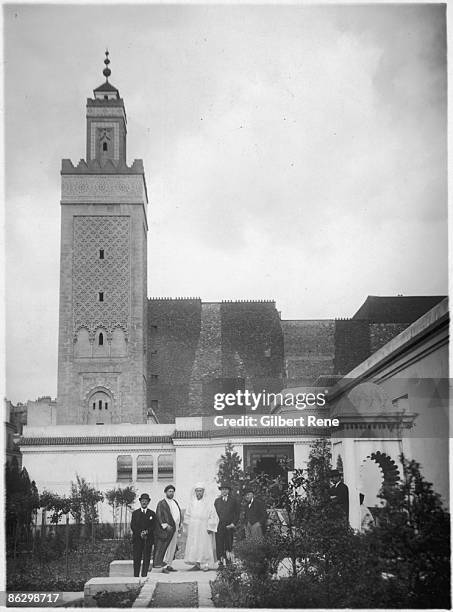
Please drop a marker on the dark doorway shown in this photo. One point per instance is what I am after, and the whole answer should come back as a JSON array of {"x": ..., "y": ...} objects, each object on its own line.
[
  {"x": 270, "y": 466},
  {"x": 269, "y": 459}
]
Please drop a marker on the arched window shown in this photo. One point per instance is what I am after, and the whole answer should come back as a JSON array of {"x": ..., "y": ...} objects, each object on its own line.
[
  {"x": 101, "y": 339},
  {"x": 124, "y": 468},
  {"x": 165, "y": 467},
  {"x": 145, "y": 467},
  {"x": 101, "y": 253},
  {"x": 104, "y": 146}
]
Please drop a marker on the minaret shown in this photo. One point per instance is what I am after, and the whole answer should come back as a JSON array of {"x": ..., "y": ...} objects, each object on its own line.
[{"x": 103, "y": 289}]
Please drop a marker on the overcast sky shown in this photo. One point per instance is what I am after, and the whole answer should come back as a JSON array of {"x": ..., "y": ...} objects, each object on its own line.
[{"x": 292, "y": 153}]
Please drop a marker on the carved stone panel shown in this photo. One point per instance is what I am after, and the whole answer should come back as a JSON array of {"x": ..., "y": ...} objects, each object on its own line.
[{"x": 102, "y": 188}]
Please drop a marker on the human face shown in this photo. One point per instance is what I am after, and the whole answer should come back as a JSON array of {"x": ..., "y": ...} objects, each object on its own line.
[
  {"x": 224, "y": 491},
  {"x": 199, "y": 493},
  {"x": 170, "y": 493},
  {"x": 248, "y": 496},
  {"x": 144, "y": 503},
  {"x": 335, "y": 479}
]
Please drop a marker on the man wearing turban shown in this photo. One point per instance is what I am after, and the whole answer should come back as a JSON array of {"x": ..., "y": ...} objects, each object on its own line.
[{"x": 201, "y": 520}]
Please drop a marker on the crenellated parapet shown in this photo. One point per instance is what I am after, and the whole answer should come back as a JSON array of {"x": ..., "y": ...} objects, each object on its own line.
[{"x": 95, "y": 166}]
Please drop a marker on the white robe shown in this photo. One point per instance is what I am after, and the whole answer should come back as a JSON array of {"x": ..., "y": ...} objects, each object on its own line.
[{"x": 200, "y": 546}]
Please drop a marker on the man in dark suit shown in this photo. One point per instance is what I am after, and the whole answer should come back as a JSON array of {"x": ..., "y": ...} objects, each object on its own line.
[
  {"x": 255, "y": 516},
  {"x": 227, "y": 508},
  {"x": 168, "y": 522},
  {"x": 339, "y": 494},
  {"x": 142, "y": 525}
]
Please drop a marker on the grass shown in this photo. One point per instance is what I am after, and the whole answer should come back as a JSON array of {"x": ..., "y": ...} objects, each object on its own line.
[{"x": 30, "y": 572}]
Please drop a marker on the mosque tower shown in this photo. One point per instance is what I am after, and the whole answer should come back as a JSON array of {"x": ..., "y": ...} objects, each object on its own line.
[{"x": 103, "y": 290}]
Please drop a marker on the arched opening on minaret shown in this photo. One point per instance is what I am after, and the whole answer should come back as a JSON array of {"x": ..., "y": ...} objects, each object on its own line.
[
  {"x": 99, "y": 407},
  {"x": 101, "y": 345}
]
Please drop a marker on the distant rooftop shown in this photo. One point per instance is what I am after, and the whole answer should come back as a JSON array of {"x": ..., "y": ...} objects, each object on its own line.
[{"x": 396, "y": 309}]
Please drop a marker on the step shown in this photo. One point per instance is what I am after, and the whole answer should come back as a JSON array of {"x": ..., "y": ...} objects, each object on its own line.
[{"x": 121, "y": 567}]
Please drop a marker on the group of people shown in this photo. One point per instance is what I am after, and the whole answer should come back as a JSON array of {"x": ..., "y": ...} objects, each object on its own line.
[{"x": 210, "y": 528}]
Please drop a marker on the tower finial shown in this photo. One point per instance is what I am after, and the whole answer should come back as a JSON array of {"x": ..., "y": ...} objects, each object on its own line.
[{"x": 107, "y": 72}]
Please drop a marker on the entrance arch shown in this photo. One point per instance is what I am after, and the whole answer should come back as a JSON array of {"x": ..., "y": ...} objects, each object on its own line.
[{"x": 377, "y": 470}]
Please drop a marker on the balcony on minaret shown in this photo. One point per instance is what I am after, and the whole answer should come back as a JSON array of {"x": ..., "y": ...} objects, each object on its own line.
[{"x": 106, "y": 91}]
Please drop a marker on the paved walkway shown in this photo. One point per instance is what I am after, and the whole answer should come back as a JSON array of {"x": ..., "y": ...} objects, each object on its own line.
[
  {"x": 175, "y": 595},
  {"x": 182, "y": 576}
]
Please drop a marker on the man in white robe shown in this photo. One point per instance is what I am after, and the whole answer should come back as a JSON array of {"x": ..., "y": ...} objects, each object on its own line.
[{"x": 201, "y": 520}]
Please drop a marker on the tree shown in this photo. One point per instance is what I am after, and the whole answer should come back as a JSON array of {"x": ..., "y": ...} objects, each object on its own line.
[
  {"x": 128, "y": 496},
  {"x": 112, "y": 499},
  {"x": 122, "y": 500},
  {"x": 412, "y": 539},
  {"x": 230, "y": 469},
  {"x": 84, "y": 499},
  {"x": 268, "y": 488},
  {"x": 57, "y": 505},
  {"x": 331, "y": 565},
  {"x": 22, "y": 501}
]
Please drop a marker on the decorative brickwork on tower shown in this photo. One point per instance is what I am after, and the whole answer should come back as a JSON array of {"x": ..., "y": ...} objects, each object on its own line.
[{"x": 112, "y": 273}]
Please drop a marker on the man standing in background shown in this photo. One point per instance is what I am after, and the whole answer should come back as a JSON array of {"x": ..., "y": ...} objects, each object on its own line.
[
  {"x": 227, "y": 508},
  {"x": 143, "y": 522},
  {"x": 201, "y": 520},
  {"x": 168, "y": 522},
  {"x": 339, "y": 494},
  {"x": 255, "y": 516}
]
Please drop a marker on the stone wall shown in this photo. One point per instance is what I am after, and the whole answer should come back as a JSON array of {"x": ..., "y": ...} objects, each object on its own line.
[
  {"x": 381, "y": 333},
  {"x": 252, "y": 345},
  {"x": 309, "y": 350},
  {"x": 352, "y": 344},
  {"x": 173, "y": 334},
  {"x": 197, "y": 350}
]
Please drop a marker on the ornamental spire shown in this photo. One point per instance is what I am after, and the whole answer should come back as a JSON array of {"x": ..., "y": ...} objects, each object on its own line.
[{"x": 106, "y": 72}]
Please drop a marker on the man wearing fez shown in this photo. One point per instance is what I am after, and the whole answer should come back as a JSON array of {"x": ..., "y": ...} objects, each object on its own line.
[
  {"x": 339, "y": 494},
  {"x": 255, "y": 516},
  {"x": 168, "y": 522},
  {"x": 142, "y": 525},
  {"x": 227, "y": 508}
]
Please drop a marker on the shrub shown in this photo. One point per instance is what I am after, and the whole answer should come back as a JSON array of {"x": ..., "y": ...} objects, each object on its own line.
[
  {"x": 404, "y": 562},
  {"x": 105, "y": 531},
  {"x": 123, "y": 549},
  {"x": 125, "y": 599}
]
